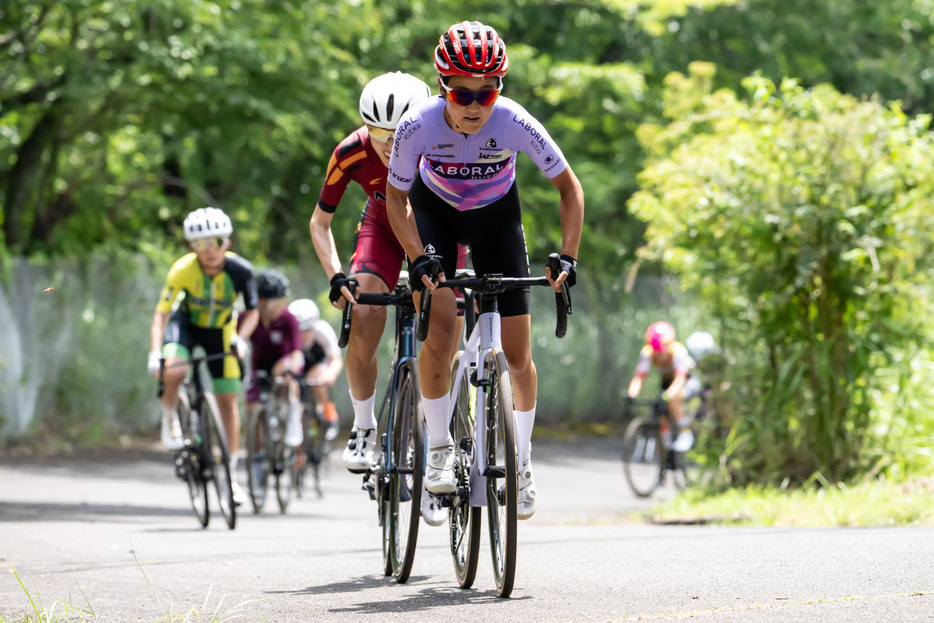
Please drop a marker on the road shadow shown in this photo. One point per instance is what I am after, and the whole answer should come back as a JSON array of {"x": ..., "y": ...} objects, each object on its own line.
[
  {"x": 82, "y": 511},
  {"x": 434, "y": 595}
]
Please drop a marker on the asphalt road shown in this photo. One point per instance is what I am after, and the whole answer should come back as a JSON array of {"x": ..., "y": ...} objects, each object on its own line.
[{"x": 114, "y": 534}]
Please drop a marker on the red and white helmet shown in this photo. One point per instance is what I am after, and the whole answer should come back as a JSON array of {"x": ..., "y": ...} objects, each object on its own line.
[
  {"x": 660, "y": 335},
  {"x": 473, "y": 50}
]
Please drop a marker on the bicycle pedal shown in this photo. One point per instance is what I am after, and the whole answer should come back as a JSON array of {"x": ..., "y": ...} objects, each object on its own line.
[
  {"x": 446, "y": 501},
  {"x": 370, "y": 487}
]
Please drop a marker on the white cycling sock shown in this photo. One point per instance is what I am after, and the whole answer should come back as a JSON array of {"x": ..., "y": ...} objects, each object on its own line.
[
  {"x": 295, "y": 410},
  {"x": 168, "y": 413},
  {"x": 437, "y": 417},
  {"x": 525, "y": 421},
  {"x": 363, "y": 416}
]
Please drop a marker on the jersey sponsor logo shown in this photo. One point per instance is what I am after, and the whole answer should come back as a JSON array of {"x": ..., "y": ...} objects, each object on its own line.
[
  {"x": 379, "y": 196},
  {"x": 495, "y": 156},
  {"x": 430, "y": 249},
  {"x": 468, "y": 171},
  {"x": 443, "y": 146},
  {"x": 491, "y": 143},
  {"x": 276, "y": 337},
  {"x": 403, "y": 180},
  {"x": 537, "y": 138}
]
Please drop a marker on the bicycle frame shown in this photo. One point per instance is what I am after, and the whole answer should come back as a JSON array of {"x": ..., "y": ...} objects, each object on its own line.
[{"x": 485, "y": 336}]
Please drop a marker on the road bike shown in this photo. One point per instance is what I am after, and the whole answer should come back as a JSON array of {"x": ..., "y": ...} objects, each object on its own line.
[
  {"x": 395, "y": 481},
  {"x": 483, "y": 427},
  {"x": 648, "y": 452},
  {"x": 205, "y": 456},
  {"x": 268, "y": 457},
  {"x": 312, "y": 459}
]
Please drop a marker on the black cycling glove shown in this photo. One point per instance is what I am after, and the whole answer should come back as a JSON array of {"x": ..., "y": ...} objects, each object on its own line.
[
  {"x": 569, "y": 265},
  {"x": 338, "y": 281},
  {"x": 423, "y": 265}
]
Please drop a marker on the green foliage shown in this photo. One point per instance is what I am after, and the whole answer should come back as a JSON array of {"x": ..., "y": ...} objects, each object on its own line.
[{"x": 804, "y": 219}]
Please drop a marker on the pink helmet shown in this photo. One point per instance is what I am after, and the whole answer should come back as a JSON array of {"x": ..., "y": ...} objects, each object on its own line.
[
  {"x": 659, "y": 335},
  {"x": 471, "y": 49}
]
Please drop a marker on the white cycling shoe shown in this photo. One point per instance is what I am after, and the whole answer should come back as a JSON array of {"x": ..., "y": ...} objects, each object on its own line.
[
  {"x": 360, "y": 453},
  {"x": 439, "y": 474},
  {"x": 527, "y": 494},
  {"x": 432, "y": 512}
]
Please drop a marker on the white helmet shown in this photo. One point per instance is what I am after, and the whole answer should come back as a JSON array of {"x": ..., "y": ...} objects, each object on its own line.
[
  {"x": 386, "y": 98},
  {"x": 699, "y": 344},
  {"x": 306, "y": 312},
  {"x": 207, "y": 222}
]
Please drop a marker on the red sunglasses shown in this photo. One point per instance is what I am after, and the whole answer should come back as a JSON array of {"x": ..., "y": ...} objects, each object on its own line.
[{"x": 466, "y": 98}]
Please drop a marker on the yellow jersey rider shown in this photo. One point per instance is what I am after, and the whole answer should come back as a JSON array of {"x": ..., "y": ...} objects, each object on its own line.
[
  {"x": 675, "y": 365},
  {"x": 211, "y": 279}
]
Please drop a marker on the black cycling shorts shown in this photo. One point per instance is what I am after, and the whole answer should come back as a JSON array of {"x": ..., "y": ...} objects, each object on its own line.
[{"x": 494, "y": 234}]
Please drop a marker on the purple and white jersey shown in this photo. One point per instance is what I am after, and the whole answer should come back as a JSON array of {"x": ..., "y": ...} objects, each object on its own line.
[{"x": 469, "y": 171}]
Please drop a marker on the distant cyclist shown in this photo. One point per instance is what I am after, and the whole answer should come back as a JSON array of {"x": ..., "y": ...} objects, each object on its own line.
[
  {"x": 675, "y": 366},
  {"x": 322, "y": 360},
  {"x": 363, "y": 157},
  {"x": 211, "y": 279},
  {"x": 454, "y": 163},
  {"x": 277, "y": 348}
]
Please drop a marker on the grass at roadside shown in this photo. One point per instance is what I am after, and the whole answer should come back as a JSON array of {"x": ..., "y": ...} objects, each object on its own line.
[{"x": 873, "y": 503}]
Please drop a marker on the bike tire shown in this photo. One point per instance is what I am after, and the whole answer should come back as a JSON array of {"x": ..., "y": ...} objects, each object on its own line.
[
  {"x": 197, "y": 487},
  {"x": 464, "y": 521},
  {"x": 218, "y": 454},
  {"x": 286, "y": 461},
  {"x": 643, "y": 455},
  {"x": 502, "y": 477},
  {"x": 319, "y": 450},
  {"x": 258, "y": 463},
  {"x": 407, "y": 445}
]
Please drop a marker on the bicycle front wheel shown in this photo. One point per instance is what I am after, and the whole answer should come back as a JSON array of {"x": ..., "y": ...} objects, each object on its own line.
[
  {"x": 501, "y": 476},
  {"x": 218, "y": 455},
  {"x": 259, "y": 462},
  {"x": 190, "y": 469},
  {"x": 464, "y": 523},
  {"x": 407, "y": 468},
  {"x": 643, "y": 455}
]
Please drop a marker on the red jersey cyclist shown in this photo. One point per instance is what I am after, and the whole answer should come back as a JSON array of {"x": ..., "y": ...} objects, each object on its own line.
[
  {"x": 675, "y": 366},
  {"x": 377, "y": 259},
  {"x": 212, "y": 279},
  {"x": 454, "y": 163},
  {"x": 322, "y": 360},
  {"x": 277, "y": 348}
]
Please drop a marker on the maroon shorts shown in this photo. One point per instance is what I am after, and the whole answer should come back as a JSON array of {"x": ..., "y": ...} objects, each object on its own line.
[{"x": 376, "y": 251}]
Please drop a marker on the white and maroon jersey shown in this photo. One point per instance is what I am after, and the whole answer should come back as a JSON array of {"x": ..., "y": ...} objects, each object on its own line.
[{"x": 469, "y": 171}]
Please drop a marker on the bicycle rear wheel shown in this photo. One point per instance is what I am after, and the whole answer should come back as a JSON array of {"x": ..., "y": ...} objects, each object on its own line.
[
  {"x": 259, "y": 463},
  {"x": 502, "y": 479},
  {"x": 189, "y": 464},
  {"x": 405, "y": 477},
  {"x": 219, "y": 457},
  {"x": 464, "y": 521},
  {"x": 643, "y": 455}
]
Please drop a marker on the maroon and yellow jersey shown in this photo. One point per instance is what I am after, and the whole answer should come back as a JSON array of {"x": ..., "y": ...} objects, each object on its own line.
[{"x": 354, "y": 160}]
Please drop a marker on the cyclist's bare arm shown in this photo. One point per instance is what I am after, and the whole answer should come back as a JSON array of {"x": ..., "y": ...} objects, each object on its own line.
[
  {"x": 323, "y": 240},
  {"x": 677, "y": 385},
  {"x": 248, "y": 324},
  {"x": 403, "y": 224},
  {"x": 157, "y": 329},
  {"x": 635, "y": 386},
  {"x": 571, "y": 211}
]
